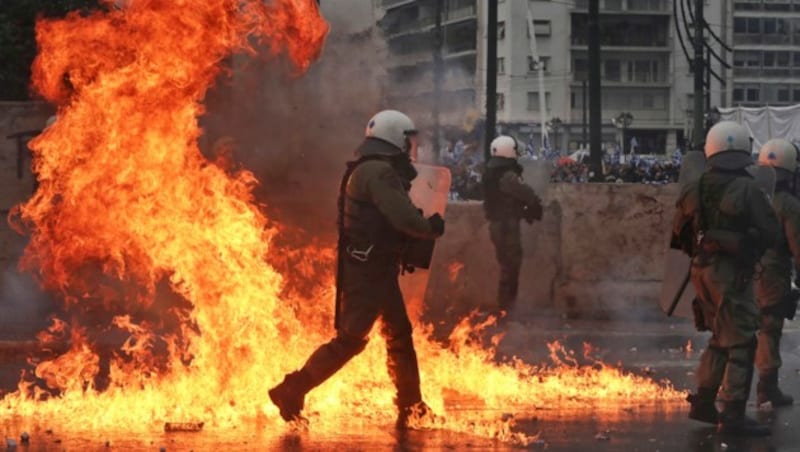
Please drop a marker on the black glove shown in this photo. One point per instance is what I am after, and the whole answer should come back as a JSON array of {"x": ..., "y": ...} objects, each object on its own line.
[
  {"x": 532, "y": 213},
  {"x": 437, "y": 223}
]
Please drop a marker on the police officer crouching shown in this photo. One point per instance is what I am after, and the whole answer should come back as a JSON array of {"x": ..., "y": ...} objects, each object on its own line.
[
  {"x": 378, "y": 223},
  {"x": 507, "y": 200}
]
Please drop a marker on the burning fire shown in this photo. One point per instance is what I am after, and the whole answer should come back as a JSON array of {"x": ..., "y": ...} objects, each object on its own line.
[{"x": 176, "y": 302}]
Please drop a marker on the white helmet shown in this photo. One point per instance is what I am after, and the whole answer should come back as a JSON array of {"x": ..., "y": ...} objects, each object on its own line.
[
  {"x": 728, "y": 146},
  {"x": 504, "y": 146},
  {"x": 779, "y": 154},
  {"x": 394, "y": 128}
]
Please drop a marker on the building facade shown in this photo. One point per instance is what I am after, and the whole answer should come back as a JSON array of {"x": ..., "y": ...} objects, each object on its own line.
[
  {"x": 766, "y": 56},
  {"x": 645, "y": 73}
]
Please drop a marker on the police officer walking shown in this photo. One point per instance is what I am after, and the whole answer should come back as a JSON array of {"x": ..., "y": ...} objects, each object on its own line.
[
  {"x": 507, "y": 200},
  {"x": 377, "y": 220},
  {"x": 774, "y": 293},
  {"x": 725, "y": 222}
]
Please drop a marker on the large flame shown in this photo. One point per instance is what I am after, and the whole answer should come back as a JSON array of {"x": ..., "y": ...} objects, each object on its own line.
[{"x": 175, "y": 302}]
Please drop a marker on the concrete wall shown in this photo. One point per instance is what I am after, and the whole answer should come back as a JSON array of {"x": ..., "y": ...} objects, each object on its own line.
[
  {"x": 23, "y": 308},
  {"x": 597, "y": 253},
  {"x": 15, "y": 117}
]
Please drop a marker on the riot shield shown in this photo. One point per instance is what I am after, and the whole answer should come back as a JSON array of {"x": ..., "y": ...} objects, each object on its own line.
[
  {"x": 765, "y": 178},
  {"x": 677, "y": 291},
  {"x": 536, "y": 173},
  {"x": 429, "y": 192}
]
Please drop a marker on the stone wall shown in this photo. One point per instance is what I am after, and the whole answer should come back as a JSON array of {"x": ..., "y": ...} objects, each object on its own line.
[{"x": 598, "y": 252}]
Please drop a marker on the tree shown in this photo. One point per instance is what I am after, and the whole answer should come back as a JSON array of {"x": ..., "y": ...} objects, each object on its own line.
[{"x": 18, "y": 39}]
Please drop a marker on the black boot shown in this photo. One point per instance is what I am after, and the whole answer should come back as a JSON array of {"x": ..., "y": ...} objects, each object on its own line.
[
  {"x": 732, "y": 421},
  {"x": 768, "y": 391},
  {"x": 417, "y": 416},
  {"x": 289, "y": 396},
  {"x": 703, "y": 408}
]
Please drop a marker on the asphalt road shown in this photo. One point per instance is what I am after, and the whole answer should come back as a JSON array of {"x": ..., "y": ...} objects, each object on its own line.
[{"x": 659, "y": 348}]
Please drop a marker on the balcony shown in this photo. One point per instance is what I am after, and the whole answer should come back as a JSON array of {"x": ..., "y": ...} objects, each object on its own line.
[
  {"x": 627, "y": 6},
  {"x": 392, "y": 3}
]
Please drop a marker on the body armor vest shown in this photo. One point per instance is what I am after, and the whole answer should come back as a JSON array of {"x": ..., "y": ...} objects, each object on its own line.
[
  {"x": 361, "y": 224},
  {"x": 497, "y": 205}
]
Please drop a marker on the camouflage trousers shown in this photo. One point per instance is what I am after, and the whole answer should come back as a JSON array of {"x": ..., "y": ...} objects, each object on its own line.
[
  {"x": 768, "y": 353},
  {"x": 505, "y": 236},
  {"x": 771, "y": 288},
  {"x": 729, "y": 311}
]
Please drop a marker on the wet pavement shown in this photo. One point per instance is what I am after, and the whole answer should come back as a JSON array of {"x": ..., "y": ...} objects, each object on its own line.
[{"x": 658, "y": 349}]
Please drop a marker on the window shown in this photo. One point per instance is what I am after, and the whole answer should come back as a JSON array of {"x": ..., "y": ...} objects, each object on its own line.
[
  {"x": 501, "y": 30},
  {"x": 796, "y": 95},
  {"x": 613, "y": 70},
  {"x": 769, "y": 59},
  {"x": 579, "y": 69},
  {"x": 782, "y": 59},
  {"x": 753, "y": 25},
  {"x": 769, "y": 26},
  {"x": 783, "y": 94},
  {"x": 542, "y": 27},
  {"x": 501, "y": 65},
  {"x": 648, "y": 101},
  {"x": 533, "y": 101},
  {"x": 796, "y": 58},
  {"x": 738, "y": 94},
  {"x": 533, "y": 65},
  {"x": 752, "y": 94},
  {"x": 501, "y": 101},
  {"x": 740, "y": 25}
]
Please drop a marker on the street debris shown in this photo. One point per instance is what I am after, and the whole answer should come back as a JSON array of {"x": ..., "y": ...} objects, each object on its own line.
[
  {"x": 25, "y": 438},
  {"x": 183, "y": 426},
  {"x": 603, "y": 436}
]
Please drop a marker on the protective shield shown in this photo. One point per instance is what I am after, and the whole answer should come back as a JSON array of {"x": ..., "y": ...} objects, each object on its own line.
[
  {"x": 536, "y": 173},
  {"x": 677, "y": 291},
  {"x": 429, "y": 192},
  {"x": 765, "y": 178}
]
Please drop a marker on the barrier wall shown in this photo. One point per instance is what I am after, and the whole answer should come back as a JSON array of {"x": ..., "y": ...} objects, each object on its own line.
[{"x": 598, "y": 252}]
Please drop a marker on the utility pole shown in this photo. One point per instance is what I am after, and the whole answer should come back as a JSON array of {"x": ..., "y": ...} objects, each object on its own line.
[
  {"x": 595, "y": 120},
  {"x": 491, "y": 78},
  {"x": 584, "y": 141},
  {"x": 699, "y": 65},
  {"x": 438, "y": 42}
]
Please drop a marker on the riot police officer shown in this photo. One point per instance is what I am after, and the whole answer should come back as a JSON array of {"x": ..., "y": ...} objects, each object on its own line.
[
  {"x": 376, "y": 222},
  {"x": 725, "y": 222},
  {"x": 507, "y": 200}
]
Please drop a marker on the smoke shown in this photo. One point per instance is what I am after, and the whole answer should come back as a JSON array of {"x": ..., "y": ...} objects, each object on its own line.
[
  {"x": 295, "y": 133},
  {"x": 24, "y": 307}
]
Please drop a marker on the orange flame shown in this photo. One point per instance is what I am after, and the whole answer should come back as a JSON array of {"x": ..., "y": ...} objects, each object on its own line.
[{"x": 174, "y": 261}]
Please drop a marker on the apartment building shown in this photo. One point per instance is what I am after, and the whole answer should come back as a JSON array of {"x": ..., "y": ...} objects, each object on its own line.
[
  {"x": 644, "y": 71},
  {"x": 766, "y": 57},
  {"x": 409, "y": 28}
]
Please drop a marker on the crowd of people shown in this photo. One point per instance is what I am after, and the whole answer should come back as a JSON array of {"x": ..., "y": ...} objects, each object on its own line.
[{"x": 465, "y": 160}]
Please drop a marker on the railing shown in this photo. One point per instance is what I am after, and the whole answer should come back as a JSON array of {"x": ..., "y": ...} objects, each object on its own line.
[
  {"x": 638, "y": 6},
  {"x": 390, "y": 3},
  {"x": 460, "y": 13}
]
